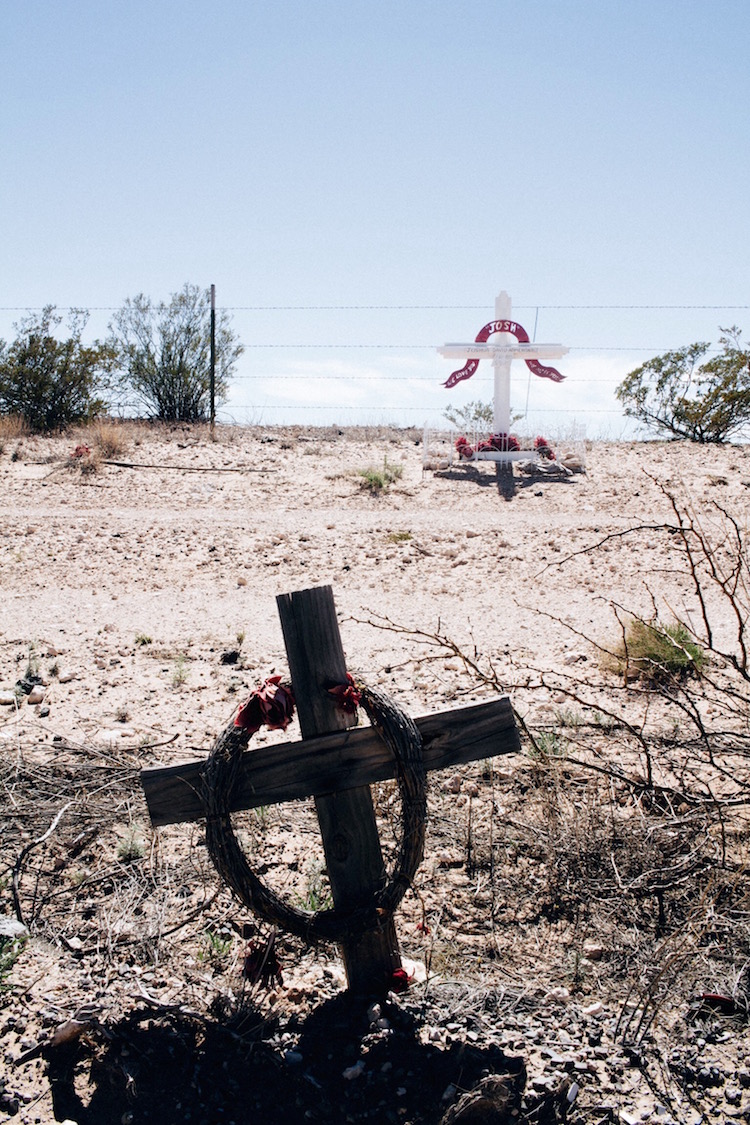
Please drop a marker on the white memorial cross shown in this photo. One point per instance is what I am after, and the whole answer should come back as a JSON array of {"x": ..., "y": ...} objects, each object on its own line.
[{"x": 509, "y": 341}]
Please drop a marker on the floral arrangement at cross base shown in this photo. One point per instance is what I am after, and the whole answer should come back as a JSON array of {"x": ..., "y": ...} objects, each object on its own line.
[
  {"x": 503, "y": 443},
  {"x": 498, "y": 443},
  {"x": 544, "y": 449}
]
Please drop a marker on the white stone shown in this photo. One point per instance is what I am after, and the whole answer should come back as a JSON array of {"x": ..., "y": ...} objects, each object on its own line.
[
  {"x": 36, "y": 695},
  {"x": 7, "y": 698},
  {"x": 11, "y": 928},
  {"x": 416, "y": 971}
]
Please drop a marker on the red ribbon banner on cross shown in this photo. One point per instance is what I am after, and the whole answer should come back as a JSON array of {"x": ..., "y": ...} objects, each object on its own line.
[{"x": 520, "y": 333}]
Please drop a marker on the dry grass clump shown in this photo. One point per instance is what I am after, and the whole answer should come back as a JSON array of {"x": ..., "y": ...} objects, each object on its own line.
[
  {"x": 651, "y": 651},
  {"x": 111, "y": 439},
  {"x": 379, "y": 480},
  {"x": 12, "y": 428}
]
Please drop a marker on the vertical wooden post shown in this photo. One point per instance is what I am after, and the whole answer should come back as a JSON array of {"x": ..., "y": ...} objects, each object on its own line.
[
  {"x": 213, "y": 360},
  {"x": 347, "y": 819}
]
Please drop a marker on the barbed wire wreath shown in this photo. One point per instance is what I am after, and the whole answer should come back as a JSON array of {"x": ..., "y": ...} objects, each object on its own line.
[{"x": 272, "y": 705}]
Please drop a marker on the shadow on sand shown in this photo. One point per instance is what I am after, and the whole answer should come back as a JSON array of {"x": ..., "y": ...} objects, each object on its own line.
[
  {"x": 170, "y": 1066},
  {"x": 507, "y": 483}
]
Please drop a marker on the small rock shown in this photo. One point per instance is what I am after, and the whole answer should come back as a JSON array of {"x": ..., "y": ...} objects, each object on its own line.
[
  {"x": 7, "y": 698},
  {"x": 454, "y": 784},
  {"x": 355, "y": 1071},
  {"x": 557, "y": 995},
  {"x": 66, "y": 677},
  {"x": 593, "y": 950},
  {"x": 36, "y": 695},
  {"x": 11, "y": 928},
  {"x": 595, "y": 1010}
]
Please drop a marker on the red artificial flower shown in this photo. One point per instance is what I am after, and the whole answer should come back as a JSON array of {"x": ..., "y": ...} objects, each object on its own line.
[
  {"x": 80, "y": 451},
  {"x": 270, "y": 705},
  {"x": 348, "y": 696},
  {"x": 543, "y": 448},
  {"x": 423, "y": 928},
  {"x": 399, "y": 980},
  {"x": 504, "y": 443},
  {"x": 463, "y": 448},
  {"x": 261, "y": 965}
]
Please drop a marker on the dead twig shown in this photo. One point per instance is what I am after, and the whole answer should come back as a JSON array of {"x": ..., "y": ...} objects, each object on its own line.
[{"x": 26, "y": 851}]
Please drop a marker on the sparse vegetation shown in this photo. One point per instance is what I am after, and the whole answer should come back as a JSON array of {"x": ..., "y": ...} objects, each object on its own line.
[
  {"x": 380, "y": 480},
  {"x": 317, "y": 892},
  {"x": 12, "y": 428},
  {"x": 399, "y": 536},
  {"x": 654, "y": 652},
  {"x": 10, "y": 950},
  {"x": 109, "y": 438},
  {"x": 216, "y": 946},
  {"x": 142, "y": 639},
  {"x": 677, "y": 394},
  {"x": 131, "y": 844},
  {"x": 163, "y": 353},
  {"x": 52, "y": 383},
  {"x": 476, "y": 416},
  {"x": 180, "y": 670}
]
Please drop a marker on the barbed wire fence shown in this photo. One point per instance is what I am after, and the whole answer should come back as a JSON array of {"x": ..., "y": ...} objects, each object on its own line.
[{"x": 331, "y": 373}]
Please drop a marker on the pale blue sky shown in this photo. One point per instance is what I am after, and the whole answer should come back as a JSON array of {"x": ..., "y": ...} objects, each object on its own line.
[{"x": 584, "y": 153}]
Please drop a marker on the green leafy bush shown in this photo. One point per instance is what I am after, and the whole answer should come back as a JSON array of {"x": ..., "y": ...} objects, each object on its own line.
[
  {"x": 475, "y": 416},
  {"x": 677, "y": 394},
  {"x": 48, "y": 382},
  {"x": 163, "y": 354}
]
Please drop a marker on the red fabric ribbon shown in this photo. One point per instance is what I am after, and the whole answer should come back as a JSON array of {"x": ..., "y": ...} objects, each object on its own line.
[
  {"x": 270, "y": 705},
  {"x": 348, "y": 696},
  {"x": 520, "y": 333}
]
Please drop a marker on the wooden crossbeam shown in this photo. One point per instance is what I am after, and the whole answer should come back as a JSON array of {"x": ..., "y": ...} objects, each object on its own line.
[
  {"x": 336, "y": 764},
  {"x": 333, "y": 762}
]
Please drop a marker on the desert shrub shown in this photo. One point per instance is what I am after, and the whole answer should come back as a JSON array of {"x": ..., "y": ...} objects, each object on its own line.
[
  {"x": 379, "y": 480},
  {"x": 476, "y": 416},
  {"x": 677, "y": 394},
  {"x": 163, "y": 354},
  {"x": 48, "y": 382},
  {"x": 655, "y": 652}
]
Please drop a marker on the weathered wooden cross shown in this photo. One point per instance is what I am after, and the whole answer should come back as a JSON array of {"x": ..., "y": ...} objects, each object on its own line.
[
  {"x": 336, "y": 765},
  {"x": 502, "y": 341}
]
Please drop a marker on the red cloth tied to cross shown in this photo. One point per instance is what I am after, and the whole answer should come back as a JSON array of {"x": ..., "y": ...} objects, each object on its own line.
[
  {"x": 270, "y": 705},
  {"x": 513, "y": 329}
]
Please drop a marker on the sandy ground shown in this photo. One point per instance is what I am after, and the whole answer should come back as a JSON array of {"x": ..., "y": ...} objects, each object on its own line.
[
  {"x": 123, "y": 588},
  {"x": 93, "y": 565}
]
